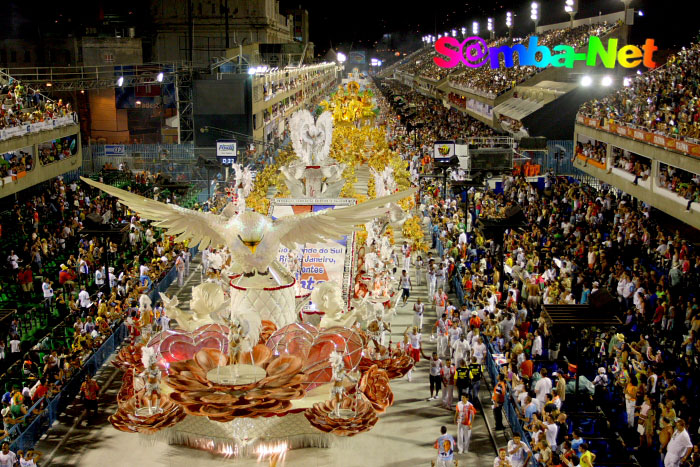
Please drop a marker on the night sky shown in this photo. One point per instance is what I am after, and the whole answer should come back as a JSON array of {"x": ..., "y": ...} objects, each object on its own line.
[{"x": 364, "y": 24}]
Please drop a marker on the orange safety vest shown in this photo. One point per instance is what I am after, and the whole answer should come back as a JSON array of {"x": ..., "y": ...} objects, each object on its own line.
[{"x": 499, "y": 393}]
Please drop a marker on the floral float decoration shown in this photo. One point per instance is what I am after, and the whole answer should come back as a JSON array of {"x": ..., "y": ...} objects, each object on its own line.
[{"x": 201, "y": 396}]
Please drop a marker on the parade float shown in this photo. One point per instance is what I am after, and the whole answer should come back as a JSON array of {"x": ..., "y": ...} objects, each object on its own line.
[{"x": 244, "y": 372}]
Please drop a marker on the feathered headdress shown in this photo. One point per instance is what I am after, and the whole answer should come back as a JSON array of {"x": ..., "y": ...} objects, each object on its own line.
[{"x": 148, "y": 356}]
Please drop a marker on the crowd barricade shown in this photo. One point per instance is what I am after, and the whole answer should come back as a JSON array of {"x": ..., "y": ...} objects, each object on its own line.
[
  {"x": 26, "y": 438},
  {"x": 42, "y": 422}
]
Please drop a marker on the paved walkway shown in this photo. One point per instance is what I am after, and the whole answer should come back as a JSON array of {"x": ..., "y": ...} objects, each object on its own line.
[{"x": 403, "y": 436}]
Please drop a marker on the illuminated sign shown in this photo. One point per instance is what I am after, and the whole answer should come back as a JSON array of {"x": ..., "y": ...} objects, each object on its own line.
[{"x": 473, "y": 52}]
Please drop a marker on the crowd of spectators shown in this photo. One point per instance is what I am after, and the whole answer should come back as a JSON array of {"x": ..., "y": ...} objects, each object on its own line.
[
  {"x": 595, "y": 150},
  {"x": 637, "y": 165},
  {"x": 21, "y": 104},
  {"x": 662, "y": 101},
  {"x": 90, "y": 283},
  {"x": 57, "y": 150},
  {"x": 432, "y": 121},
  {"x": 15, "y": 162},
  {"x": 491, "y": 82},
  {"x": 682, "y": 182},
  {"x": 579, "y": 241}
]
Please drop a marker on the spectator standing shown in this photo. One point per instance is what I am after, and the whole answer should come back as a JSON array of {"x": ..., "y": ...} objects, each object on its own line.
[
  {"x": 679, "y": 448},
  {"x": 47, "y": 288},
  {"x": 89, "y": 390},
  {"x": 499, "y": 398},
  {"x": 518, "y": 451},
  {"x": 15, "y": 345},
  {"x": 7, "y": 457}
]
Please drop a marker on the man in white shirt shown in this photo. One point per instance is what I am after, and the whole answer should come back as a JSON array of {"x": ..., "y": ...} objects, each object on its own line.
[
  {"x": 187, "y": 256},
  {"x": 679, "y": 447},
  {"x": 464, "y": 416},
  {"x": 537, "y": 345},
  {"x": 112, "y": 278},
  {"x": 48, "y": 293},
  {"x": 543, "y": 387},
  {"x": 143, "y": 275},
  {"x": 418, "y": 309},
  {"x": 479, "y": 351},
  {"x": 550, "y": 432},
  {"x": 461, "y": 349},
  {"x": 180, "y": 267},
  {"x": 99, "y": 277},
  {"x": 462, "y": 238},
  {"x": 84, "y": 300},
  {"x": 13, "y": 259},
  {"x": 518, "y": 451},
  {"x": 15, "y": 345},
  {"x": 7, "y": 457},
  {"x": 435, "y": 376}
]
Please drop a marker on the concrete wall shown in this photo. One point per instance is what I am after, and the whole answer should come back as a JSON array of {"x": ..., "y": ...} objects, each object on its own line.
[
  {"x": 112, "y": 51},
  {"x": 40, "y": 173}
]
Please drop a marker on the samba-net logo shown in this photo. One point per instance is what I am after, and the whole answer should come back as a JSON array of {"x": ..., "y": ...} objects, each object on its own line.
[{"x": 473, "y": 52}]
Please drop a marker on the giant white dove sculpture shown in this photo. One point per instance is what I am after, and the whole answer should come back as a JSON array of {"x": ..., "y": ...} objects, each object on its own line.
[{"x": 252, "y": 239}]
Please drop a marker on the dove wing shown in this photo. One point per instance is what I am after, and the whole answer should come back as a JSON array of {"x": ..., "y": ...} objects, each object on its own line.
[
  {"x": 201, "y": 228},
  {"x": 330, "y": 224},
  {"x": 325, "y": 124}
]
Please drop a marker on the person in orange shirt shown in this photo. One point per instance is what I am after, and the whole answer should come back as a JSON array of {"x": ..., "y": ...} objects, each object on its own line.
[
  {"x": 526, "y": 368},
  {"x": 631, "y": 400}
]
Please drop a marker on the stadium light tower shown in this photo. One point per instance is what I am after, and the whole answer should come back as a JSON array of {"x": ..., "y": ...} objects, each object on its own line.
[
  {"x": 571, "y": 7},
  {"x": 489, "y": 26},
  {"x": 509, "y": 23},
  {"x": 535, "y": 13},
  {"x": 475, "y": 28},
  {"x": 625, "y": 23}
]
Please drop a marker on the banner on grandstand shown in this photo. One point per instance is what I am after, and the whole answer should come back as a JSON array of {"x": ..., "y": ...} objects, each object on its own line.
[
  {"x": 673, "y": 144},
  {"x": 314, "y": 263},
  {"x": 49, "y": 124}
]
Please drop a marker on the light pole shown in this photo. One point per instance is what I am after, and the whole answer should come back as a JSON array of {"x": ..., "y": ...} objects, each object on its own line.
[
  {"x": 625, "y": 24},
  {"x": 489, "y": 26},
  {"x": 475, "y": 28},
  {"x": 571, "y": 7},
  {"x": 509, "y": 24},
  {"x": 535, "y": 13}
]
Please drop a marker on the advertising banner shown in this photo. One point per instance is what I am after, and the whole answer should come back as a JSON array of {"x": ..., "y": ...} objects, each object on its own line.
[
  {"x": 49, "y": 124},
  {"x": 314, "y": 263},
  {"x": 115, "y": 150}
]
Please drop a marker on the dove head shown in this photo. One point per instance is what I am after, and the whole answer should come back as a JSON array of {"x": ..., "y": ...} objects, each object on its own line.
[{"x": 251, "y": 228}]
